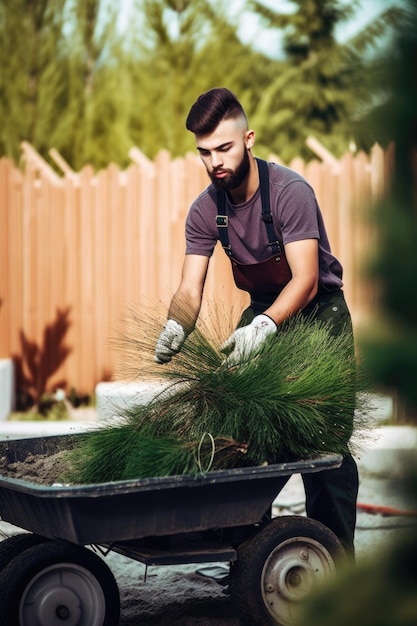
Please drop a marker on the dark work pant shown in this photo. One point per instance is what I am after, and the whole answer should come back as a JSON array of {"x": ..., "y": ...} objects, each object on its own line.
[
  {"x": 330, "y": 494},
  {"x": 331, "y": 499}
]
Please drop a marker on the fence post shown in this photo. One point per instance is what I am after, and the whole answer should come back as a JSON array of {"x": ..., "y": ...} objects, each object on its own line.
[
  {"x": 34, "y": 158},
  {"x": 61, "y": 162},
  {"x": 324, "y": 154}
]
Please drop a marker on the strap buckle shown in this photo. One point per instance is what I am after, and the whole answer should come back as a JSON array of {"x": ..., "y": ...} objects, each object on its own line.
[
  {"x": 222, "y": 221},
  {"x": 275, "y": 247},
  {"x": 267, "y": 217}
]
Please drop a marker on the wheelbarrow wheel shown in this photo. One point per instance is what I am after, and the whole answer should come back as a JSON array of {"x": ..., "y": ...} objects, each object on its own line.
[
  {"x": 279, "y": 568},
  {"x": 55, "y": 583},
  {"x": 15, "y": 545}
]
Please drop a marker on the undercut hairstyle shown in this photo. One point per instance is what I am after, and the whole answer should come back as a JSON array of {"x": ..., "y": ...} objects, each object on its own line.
[{"x": 211, "y": 108}]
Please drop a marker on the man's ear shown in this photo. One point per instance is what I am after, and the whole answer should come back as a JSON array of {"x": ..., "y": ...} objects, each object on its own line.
[{"x": 249, "y": 139}]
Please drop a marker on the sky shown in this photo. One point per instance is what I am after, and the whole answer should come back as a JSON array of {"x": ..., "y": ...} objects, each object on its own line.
[{"x": 251, "y": 30}]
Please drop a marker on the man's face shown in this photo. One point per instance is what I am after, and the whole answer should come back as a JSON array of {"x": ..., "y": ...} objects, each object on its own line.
[{"x": 225, "y": 154}]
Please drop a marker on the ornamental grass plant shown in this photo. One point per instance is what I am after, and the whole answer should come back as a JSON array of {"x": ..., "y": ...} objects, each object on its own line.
[{"x": 296, "y": 398}]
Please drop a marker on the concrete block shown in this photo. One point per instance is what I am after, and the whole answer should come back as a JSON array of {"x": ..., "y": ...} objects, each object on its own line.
[
  {"x": 111, "y": 397},
  {"x": 42, "y": 428},
  {"x": 391, "y": 452},
  {"x": 6, "y": 388}
]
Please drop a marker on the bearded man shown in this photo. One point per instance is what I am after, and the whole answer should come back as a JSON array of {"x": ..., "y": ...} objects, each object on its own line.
[{"x": 269, "y": 223}]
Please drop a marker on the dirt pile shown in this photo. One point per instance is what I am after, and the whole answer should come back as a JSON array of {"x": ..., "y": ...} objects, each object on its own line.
[{"x": 37, "y": 468}]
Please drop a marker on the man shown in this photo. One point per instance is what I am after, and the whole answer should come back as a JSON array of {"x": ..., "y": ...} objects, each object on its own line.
[{"x": 270, "y": 225}]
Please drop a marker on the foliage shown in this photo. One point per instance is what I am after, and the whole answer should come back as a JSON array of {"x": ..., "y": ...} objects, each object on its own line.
[
  {"x": 384, "y": 592},
  {"x": 384, "y": 588},
  {"x": 318, "y": 90},
  {"x": 94, "y": 123},
  {"x": 294, "y": 399},
  {"x": 37, "y": 363},
  {"x": 191, "y": 47},
  {"x": 29, "y": 31},
  {"x": 49, "y": 410},
  {"x": 391, "y": 345},
  {"x": 72, "y": 79},
  {"x": 59, "y": 85}
]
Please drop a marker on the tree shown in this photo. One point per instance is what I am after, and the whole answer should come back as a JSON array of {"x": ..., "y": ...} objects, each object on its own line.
[
  {"x": 95, "y": 128},
  {"x": 384, "y": 587},
  {"x": 392, "y": 345},
  {"x": 62, "y": 81},
  {"x": 91, "y": 90},
  {"x": 30, "y": 32},
  {"x": 317, "y": 91},
  {"x": 185, "y": 48},
  {"x": 71, "y": 79}
]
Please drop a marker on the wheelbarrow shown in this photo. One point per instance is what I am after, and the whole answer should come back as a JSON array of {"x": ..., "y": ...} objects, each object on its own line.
[{"x": 55, "y": 574}]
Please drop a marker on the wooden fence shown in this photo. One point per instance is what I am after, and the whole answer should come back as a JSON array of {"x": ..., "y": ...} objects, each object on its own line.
[{"x": 79, "y": 250}]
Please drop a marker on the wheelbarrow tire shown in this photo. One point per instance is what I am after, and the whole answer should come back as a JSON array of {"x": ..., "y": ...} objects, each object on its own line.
[
  {"x": 279, "y": 567},
  {"x": 58, "y": 582},
  {"x": 15, "y": 545}
]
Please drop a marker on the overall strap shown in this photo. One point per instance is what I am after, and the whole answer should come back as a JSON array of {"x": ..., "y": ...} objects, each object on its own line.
[
  {"x": 222, "y": 219},
  {"x": 222, "y": 222},
  {"x": 266, "y": 206}
]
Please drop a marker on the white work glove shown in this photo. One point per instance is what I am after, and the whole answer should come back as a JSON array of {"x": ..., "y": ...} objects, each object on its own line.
[
  {"x": 170, "y": 342},
  {"x": 248, "y": 339}
]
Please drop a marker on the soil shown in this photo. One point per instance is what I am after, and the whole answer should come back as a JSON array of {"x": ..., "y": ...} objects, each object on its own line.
[{"x": 37, "y": 468}]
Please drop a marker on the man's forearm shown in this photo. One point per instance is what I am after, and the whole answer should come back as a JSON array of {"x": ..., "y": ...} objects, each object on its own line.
[
  {"x": 292, "y": 299},
  {"x": 184, "y": 309}
]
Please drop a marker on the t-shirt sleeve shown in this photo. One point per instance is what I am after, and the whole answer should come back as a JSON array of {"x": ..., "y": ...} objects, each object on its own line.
[
  {"x": 298, "y": 213},
  {"x": 200, "y": 238}
]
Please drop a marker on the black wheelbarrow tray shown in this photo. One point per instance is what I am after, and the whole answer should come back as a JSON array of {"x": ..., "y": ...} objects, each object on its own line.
[{"x": 51, "y": 576}]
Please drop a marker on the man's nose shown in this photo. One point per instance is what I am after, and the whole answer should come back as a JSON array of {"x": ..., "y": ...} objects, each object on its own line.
[{"x": 216, "y": 160}]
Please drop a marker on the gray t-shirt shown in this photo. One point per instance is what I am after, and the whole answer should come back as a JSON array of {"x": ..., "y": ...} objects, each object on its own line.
[{"x": 295, "y": 213}]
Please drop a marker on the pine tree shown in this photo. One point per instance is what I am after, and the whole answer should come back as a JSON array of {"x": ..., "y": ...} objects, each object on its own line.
[
  {"x": 392, "y": 345},
  {"x": 317, "y": 92},
  {"x": 384, "y": 587},
  {"x": 181, "y": 50},
  {"x": 94, "y": 126},
  {"x": 29, "y": 43},
  {"x": 71, "y": 79},
  {"x": 63, "y": 82}
]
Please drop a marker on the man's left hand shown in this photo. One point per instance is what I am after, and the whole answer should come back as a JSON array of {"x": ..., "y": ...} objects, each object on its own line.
[{"x": 246, "y": 340}]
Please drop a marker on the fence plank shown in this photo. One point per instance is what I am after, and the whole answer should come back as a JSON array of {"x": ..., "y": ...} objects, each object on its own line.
[
  {"x": 93, "y": 246},
  {"x": 6, "y": 240}
]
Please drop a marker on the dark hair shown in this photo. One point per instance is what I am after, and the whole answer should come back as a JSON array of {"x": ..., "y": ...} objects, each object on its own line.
[{"x": 211, "y": 108}]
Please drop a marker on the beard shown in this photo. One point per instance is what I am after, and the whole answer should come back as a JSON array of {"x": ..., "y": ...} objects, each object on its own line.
[{"x": 234, "y": 178}]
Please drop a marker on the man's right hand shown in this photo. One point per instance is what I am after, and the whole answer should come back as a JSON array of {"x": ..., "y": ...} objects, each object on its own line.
[{"x": 170, "y": 342}]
